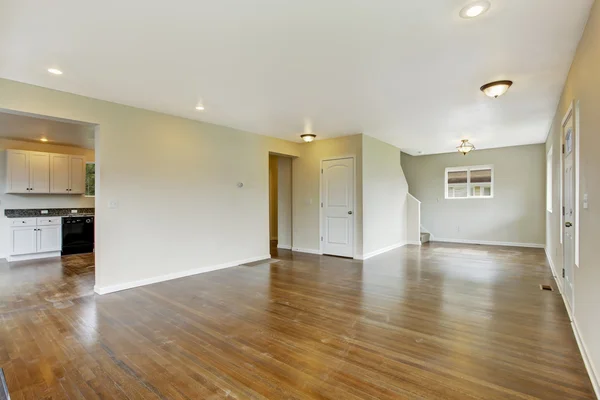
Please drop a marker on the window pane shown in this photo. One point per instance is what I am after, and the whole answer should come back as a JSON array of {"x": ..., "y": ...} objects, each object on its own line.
[
  {"x": 90, "y": 179},
  {"x": 481, "y": 176},
  {"x": 457, "y": 183},
  {"x": 457, "y": 177}
]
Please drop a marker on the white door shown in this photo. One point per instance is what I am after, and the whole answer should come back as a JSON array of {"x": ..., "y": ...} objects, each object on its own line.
[
  {"x": 39, "y": 172},
  {"x": 59, "y": 173},
  {"x": 569, "y": 210},
  {"x": 337, "y": 197},
  {"x": 77, "y": 174},
  {"x": 49, "y": 238},
  {"x": 17, "y": 179},
  {"x": 23, "y": 240}
]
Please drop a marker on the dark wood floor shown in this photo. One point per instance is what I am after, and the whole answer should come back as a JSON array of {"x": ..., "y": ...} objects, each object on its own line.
[{"x": 437, "y": 322}]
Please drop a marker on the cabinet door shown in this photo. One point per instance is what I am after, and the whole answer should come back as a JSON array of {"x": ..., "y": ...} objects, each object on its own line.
[
  {"x": 17, "y": 171},
  {"x": 23, "y": 240},
  {"x": 49, "y": 238},
  {"x": 77, "y": 165},
  {"x": 59, "y": 173},
  {"x": 39, "y": 172}
]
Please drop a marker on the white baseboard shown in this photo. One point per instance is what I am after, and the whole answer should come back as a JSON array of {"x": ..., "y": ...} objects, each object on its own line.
[
  {"x": 489, "y": 243},
  {"x": 589, "y": 365},
  {"x": 309, "y": 251},
  {"x": 34, "y": 256},
  {"x": 380, "y": 251},
  {"x": 284, "y": 246},
  {"x": 175, "y": 275},
  {"x": 415, "y": 242}
]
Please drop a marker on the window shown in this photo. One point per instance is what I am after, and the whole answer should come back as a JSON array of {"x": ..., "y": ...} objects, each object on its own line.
[
  {"x": 470, "y": 182},
  {"x": 90, "y": 179},
  {"x": 549, "y": 181}
]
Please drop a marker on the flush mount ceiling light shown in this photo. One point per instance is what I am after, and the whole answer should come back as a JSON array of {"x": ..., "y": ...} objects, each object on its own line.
[
  {"x": 43, "y": 139},
  {"x": 200, "y": 107},
  {"x": 475, "y": 9},
  {"x": 496, "y": 89},
  {"x": 308, "y": 137},
  {"x": 465, "y": 147},
  {"x": 55, "y": 71}
]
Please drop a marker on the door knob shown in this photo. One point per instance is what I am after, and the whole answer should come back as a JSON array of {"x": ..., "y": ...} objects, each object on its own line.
[
  {"x": 350, "y": 212},
  {"x": 568, "y": 224}
]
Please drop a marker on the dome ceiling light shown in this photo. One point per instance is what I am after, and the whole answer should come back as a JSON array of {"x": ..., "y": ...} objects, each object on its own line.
[
  {"x": 308, "y": 137},
  {"x": 496, "y": 89},
  {"x": 465, "y": 147},
  {"x": 475, "y": 9}
]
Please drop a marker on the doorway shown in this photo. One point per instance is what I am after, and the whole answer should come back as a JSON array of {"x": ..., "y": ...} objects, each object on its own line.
[
  {"x": 337, "y": 206},
  {"x": 280, "y": 202},
  {"x": 569, "y": 208}
]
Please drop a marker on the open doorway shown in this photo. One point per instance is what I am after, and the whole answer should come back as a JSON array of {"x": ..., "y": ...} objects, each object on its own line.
[
  {"x": 280, "y": 203},
  {"x": 47, "y": 200}
]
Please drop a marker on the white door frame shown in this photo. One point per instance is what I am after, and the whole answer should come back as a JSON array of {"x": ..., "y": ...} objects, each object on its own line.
[
  {"x": 572, "y": 112},
  {"x": 321, "y": 225}
]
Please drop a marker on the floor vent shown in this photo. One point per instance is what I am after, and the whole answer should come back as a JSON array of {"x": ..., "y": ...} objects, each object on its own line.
[{"x": 546, "y": 287}]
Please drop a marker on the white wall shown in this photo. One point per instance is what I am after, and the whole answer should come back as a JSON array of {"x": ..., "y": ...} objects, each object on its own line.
[
  {"x": 284, "y": 202},
  {"x": 582, "y": 85},
  {"x": 514, "y": 215},
  {"x": 413, "y": 220},
  {"x": 11, "y": 201},
  {"x": 175, "y": 181},
  {"x": 384, "y": 197}
]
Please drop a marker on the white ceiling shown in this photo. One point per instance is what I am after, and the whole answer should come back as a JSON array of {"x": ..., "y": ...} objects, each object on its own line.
[
  {"x": 406, "y": 72},
  {"x": 33, "y": 128}
]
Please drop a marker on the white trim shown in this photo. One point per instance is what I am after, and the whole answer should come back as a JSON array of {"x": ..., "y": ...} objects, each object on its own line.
[
  {"x": 284, "y": 246},
  {"x": 175, "y": 275},
  {"x": 354, "y": 230},
  {"x": 587, "y": 360},
  {"x": 33, "y": 256},
  {"x": 309, "y": 251},
  {"x": 380, "y": 251},
  {"x": 577, "y": 219},
  {"x": 414, "y": 198},
  {"x": 415, "y": 242},
  {"x": 489, "y": 243}
]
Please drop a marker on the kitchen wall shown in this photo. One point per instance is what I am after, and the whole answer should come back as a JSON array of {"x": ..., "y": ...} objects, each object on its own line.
[
  {"x": 384, "y": 197},
  {"x": 514, "y": 215},
  {"x": 582, "y": 87},
  {"x": 11, "y": 201},
  {"x": 284, "y": 202}
]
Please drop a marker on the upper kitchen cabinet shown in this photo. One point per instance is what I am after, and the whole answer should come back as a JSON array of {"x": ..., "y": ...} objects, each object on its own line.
[
  {"x": 67, "y": 174},
  {"x": 38, "y": 172},
  {"x": 27, "y": 172}
]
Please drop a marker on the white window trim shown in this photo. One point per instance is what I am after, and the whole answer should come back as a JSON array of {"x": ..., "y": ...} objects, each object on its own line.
[
  {"x": 468, "y": 168},
  {"x": 89, "y": 162}
]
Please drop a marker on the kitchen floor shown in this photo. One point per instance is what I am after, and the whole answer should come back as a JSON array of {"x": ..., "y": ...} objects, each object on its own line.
[{"x": 440, "y": 321}]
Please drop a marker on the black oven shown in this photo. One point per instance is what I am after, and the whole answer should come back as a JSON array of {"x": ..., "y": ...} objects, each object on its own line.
[{"x": 77, "y": 235}]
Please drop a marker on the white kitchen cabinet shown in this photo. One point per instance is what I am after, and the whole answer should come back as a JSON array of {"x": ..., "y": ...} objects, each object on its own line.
[
  {"x": 23, "y": 240},
  {"x": 35, "y": 238},
  {"x": 39, "y": 172},
  {"x": 48, "y": 238},
  {"x": 59, "y": 173},
  {"x": 77, "y": 174},
  {"x": 17, "y": 171}
]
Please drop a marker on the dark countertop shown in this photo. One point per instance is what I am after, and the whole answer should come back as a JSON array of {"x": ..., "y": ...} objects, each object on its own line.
[{"x": 52, "y": 212}]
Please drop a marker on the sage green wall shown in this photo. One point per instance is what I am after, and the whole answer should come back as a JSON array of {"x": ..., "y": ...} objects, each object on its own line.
[{"x": 514, "y": 215}]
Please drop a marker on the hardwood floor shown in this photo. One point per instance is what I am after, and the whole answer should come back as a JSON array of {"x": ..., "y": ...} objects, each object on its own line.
[{"x": 440, "y": 321}]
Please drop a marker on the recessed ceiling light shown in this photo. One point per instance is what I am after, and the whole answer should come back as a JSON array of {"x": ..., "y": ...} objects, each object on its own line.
[
  {"x": 43, "y": 139},
  {"x": 200, "y": 107},
  {"x": 475, "y": 9},
  {"x": 55, "y": 71},
  {"x": 496, "y": 89}
]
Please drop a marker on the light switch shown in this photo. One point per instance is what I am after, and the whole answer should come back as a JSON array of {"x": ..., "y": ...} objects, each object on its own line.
[
  {"x": 44, "y": 212},
  {"x": 585, "y": 201},
  {"x": 113, "y": 204},
  {"x": 73, "y": 211}
]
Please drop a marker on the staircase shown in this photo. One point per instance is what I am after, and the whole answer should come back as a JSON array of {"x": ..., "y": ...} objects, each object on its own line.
[{"x": 425, "y": 237}]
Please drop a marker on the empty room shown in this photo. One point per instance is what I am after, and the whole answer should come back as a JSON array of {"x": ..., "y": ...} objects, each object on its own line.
[{"x": 299, "y": 200}]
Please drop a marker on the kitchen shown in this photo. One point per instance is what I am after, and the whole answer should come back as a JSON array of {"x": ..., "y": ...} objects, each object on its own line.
[{"x": 47, "y": 170}]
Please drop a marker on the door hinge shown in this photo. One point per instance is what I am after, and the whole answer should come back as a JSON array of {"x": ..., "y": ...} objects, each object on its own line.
[
  {"x": 321, "y": 170},
  {"x": 321, "y": 238},
  {"x": 563, "y": 273},
  {"x": 563, "y": 211},
  {"x": 321, "y": 205},
  {"x": 563, "y": 149}
]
